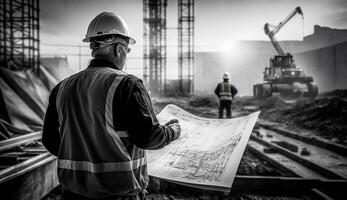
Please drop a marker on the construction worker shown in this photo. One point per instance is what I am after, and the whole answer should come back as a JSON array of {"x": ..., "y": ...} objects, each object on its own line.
[
  {"x": 225, "y": 92},
  {"x": 100, "y": 121}
]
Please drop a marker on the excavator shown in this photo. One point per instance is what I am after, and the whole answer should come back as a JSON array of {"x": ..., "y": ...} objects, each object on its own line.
[{"x": 283, "y": 76}]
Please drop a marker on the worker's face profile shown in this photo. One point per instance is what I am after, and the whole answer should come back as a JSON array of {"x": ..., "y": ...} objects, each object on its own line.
[{"x": 125, "y": 47}]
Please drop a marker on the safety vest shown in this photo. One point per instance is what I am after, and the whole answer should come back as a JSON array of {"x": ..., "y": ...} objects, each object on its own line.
[
  {"x": 94, "y": 158},
  {"x": 225, "y": 92}
]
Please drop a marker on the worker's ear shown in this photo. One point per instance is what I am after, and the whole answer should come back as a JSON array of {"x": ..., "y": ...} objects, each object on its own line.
[{"x": 116, "y": 50}]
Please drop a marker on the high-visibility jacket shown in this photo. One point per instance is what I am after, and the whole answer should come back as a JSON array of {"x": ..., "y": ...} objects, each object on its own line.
[
  {"x": 225, "y": 93},
  {"x": 94, "y": 159}
]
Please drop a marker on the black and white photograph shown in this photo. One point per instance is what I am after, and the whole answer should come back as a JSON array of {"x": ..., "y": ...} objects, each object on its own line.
[{"x": 173, "y": 99}]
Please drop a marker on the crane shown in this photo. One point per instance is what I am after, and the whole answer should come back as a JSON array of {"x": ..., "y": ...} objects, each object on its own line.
[
  {"x": 271, "y": 33},
  {"x": 283, "y": 76}
]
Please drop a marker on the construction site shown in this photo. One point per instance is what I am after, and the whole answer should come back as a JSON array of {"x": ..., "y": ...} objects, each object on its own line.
[{"x": 286, "y": 60}]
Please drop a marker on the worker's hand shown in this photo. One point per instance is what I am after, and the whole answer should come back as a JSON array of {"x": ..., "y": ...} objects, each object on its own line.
[
  {"x": 171, "y": 122},
  {"x": 175, "y": 126}
]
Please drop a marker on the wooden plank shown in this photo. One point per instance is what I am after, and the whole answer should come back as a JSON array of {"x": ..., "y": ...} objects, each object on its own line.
[
  {"x": 318, "y": 168},
  {"x": 35, "y": 150},
  {"x": 272, "y": 161},
  {"x": 288, "y": 186},
  {"x": 22, "y": 167},
  {"x": 16, "y": 141},
  {"x": 33, "y": 184},
  {"x": 319, "y": 195},
  {"x": 262, "y": 185},
  {"x": 342, "y": 150}
]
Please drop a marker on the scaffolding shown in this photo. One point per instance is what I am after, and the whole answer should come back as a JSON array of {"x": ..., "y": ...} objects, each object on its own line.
[
  {"x": 19, "y": 34},
  {"x": 186, "y": 46},
  {"x": 154, "y": 38}
]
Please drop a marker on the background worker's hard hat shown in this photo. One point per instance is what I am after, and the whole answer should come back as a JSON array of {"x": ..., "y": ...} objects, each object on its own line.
[
  {"x": 107, "y": 23},
  {"x": 226, "y": 75}
]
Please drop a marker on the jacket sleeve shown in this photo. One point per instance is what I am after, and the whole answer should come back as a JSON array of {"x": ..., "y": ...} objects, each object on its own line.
[
  {"x": 50, "y": 132},
  {"x": 216, "y": 91},
  {"x": 143, "y": 126},
  {"x": 233, "y": 90}
]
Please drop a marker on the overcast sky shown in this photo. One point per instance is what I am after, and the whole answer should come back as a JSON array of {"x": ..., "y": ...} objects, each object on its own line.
[
  {"x": 217, "y": 21},
  {"x": 217, "y": 24}
]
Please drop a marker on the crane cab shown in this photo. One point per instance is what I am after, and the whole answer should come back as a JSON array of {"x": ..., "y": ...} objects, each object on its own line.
[
  {"x": 285, "y": 61},
  {"x": 283, "y": 68}
]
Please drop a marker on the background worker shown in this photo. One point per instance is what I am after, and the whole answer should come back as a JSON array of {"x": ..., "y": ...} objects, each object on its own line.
[
  {"x": 225, "y": 92},
  {"x": 100, "y": 120}
]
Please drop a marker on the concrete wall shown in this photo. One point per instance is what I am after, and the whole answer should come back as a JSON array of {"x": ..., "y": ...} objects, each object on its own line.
[
  {"x": 325, "y": 36},
  {"x": 328, "y": 66}
]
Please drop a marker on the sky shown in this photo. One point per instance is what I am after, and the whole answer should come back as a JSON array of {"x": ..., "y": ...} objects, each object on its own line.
[{"x": 218, "y": 23}]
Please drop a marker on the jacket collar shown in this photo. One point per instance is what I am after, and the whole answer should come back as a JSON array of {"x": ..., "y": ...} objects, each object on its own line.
[{"x": 97, "y": 62}]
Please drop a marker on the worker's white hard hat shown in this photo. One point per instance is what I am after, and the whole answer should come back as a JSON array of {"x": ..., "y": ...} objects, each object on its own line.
[
  {"x": 107, "y": 23},
  {"x": 226, "y": 75}
]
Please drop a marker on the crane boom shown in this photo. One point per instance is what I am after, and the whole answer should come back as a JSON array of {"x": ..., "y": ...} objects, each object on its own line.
[{"x": 272, "y": 33}]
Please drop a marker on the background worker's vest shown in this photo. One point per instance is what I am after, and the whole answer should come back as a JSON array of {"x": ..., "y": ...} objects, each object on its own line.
[
  {"x": 94, "y": 159},
  {"x": 225, "y": 92}
]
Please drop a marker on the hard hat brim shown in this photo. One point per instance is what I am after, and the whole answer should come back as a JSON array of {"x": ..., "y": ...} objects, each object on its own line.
[{"x": 87, "y": 38}]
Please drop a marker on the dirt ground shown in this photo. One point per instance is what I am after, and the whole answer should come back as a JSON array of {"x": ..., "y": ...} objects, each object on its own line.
[{"x": 325, "y": 117}]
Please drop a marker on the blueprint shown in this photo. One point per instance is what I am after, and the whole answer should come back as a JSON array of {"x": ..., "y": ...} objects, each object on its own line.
[{"x": 208, "y": 152}]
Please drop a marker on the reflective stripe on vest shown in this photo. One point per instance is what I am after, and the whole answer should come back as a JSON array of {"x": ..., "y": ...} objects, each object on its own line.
[
  {"x": 109, "y": 117},
  {"x": 225, "y": 92},
  {"x": 101, "y": 167}
]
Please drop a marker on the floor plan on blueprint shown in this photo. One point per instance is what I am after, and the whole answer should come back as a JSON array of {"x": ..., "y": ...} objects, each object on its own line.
[{"x": 208, "y": 152}]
